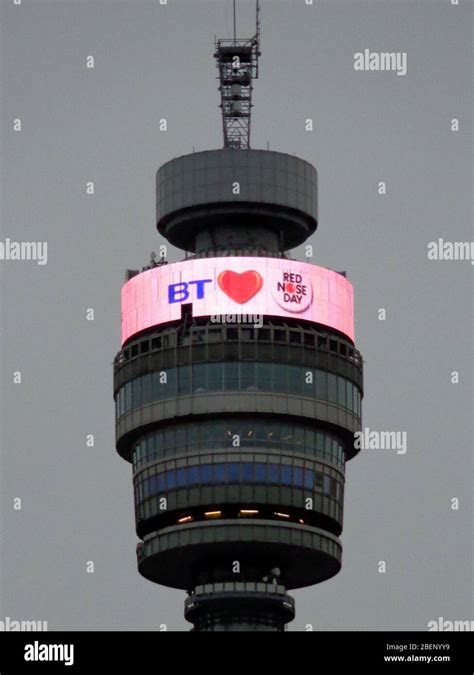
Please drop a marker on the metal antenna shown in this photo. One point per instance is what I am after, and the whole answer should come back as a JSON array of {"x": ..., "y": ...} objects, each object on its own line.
[
  {"x": 237, "y": 62},
  {"x": 235, "y": 23}
]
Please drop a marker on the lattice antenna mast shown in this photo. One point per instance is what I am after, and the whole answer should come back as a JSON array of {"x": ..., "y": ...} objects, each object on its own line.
[{"x": 237, "y": 62}]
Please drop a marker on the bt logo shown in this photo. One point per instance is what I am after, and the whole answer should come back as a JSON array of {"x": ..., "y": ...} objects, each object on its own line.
[{"x": 181, "y": 292}]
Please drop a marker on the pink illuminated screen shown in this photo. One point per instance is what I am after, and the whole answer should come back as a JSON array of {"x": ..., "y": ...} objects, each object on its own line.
[{"x": 238, "y": 286}]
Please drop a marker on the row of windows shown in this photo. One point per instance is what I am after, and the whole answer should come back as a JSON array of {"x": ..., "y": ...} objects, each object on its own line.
[
  {"x": 267, "y": 333},
  {"x": 240, "y": 473},
  {"x": 239, "y": 458},
  {"x": 234, "y": 433},
  {"x": 241, "y": 376}
]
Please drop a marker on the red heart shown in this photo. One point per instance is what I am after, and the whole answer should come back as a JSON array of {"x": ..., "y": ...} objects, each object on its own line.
[{"x": 240, "y": 287}]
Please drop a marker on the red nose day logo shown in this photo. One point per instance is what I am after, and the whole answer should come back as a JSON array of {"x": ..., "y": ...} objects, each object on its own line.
[
  {"x": 292, "y": 291},
  {"x": 240, "y": 287}
]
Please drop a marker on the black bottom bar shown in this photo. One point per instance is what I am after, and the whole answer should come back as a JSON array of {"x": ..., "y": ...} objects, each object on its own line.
[{"x": 138, "y": 652}]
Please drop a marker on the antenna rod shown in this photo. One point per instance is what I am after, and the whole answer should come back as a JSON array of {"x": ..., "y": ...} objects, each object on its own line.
[
  {"x": 257, "y": 21},
  {"x": 235, "y": 23}
]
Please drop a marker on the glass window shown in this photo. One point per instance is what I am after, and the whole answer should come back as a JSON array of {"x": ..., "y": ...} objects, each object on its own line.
[
  {"x": 279, "y": 373},
  {"x": 180, "y": 477},
  {"x": 184, "y": 379},
  {"x": 219, "y": 473},
  {"x": 298, "y": 476},
  {"x": 349, "y": 401},
  {"x": 287, "y": 440},
  {"x": 146, "y": 389},
  {"x": 157, "y": 442},
  {"x": 260, "y": 430},
  {"x": 233, "y": 472},
  {"x": 332, "y": 388},
  {"x": 214, "y": 335},
  {"x": 180, "y": 436},
  {"x": 219, "y": 437},
  {"x": 247, "y": 472},
  {"x": 247, "y": 435},
  {"x": 260, "y": 473},
  {"x": 150, "y": 485},
  {"x": 280, "y": 335},
  {"x": 321, "y": 384},
  {"x": 264, "y": 376},
  {"x": 341, "y": 391},
  {"x": 247, "y": 377},
  {"x": 295, "y": 337},
  {"x": 308, "y": 479},
  {"x": 310, "y": 439},
  {"x": 144, "y": 445},
  {"x": 160, "y": 482},
  {"x": 322, "y": 342},
  {"x": 227, "y": 436},
  {"x": 206, "y": 473},
  {"x": 274, "y": 434},
  {"x": 170, "y": 389},
  {"x": 169, "y": 437},
  {"x": 136, "y": 454},
  {"x": 286, "y": 477},
  {"x": 326, "y": 485},
  {"x": 197, "y": 433},
  {"x": 156, "y": 386},
  {"x": 170, "y": 479},
  {"x": 128, "y": 396},
  {"x": 214, "y": 376},
  {"x": 206, "y": 435},
  {"x": 318, "y": 480},
  {"x": 199, "y": 379},
  {"x": 193, "y": 475},
  {"x": 246, "y": 334},
  {"x": 320, "y": 441},
  {"x": 295, "y": 379},
  {"x": 231, "y": 376},
  {"x": 273, "y": 471},
  {"x": 298, "y": 437}
]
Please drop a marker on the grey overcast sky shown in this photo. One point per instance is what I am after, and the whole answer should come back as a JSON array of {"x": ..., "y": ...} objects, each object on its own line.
[{"x": 79, "y": 124}]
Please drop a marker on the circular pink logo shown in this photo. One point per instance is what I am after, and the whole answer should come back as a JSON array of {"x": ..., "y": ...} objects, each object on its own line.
[{"x": 292, "y": 291}]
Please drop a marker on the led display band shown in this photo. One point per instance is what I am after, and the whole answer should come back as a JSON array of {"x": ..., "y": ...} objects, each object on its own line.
[{"x": 240, "y": 286}]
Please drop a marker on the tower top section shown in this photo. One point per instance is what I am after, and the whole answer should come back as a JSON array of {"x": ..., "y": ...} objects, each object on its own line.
[
  {"x": 213, "y": 199},
  {"x": 237, "y": 63}
]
